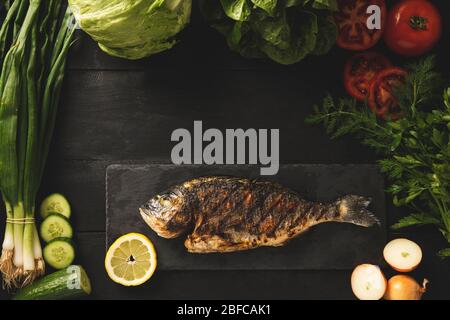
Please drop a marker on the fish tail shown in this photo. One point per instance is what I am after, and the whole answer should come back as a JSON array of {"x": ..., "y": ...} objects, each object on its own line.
[{"x": 353, "y": 209}]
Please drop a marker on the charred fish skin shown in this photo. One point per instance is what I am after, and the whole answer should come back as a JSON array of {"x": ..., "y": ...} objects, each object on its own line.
[{"x": 227, "y": 214}]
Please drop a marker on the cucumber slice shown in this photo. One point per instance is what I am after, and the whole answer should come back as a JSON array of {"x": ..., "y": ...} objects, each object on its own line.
[
  {"x": 69, "y": 283},
  {"x": 59, "y": 253},
  {"x": 56, "y": 226},
  {"x": 55, "y": 203}
]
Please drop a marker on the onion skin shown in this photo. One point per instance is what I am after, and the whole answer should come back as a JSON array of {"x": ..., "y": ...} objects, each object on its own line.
[
  {"x": 403, "y": 287},
  {"x": 403, "y": 270}
]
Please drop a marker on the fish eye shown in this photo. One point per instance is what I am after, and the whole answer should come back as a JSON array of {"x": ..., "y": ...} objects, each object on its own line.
[{"x": 164, "y": 202}]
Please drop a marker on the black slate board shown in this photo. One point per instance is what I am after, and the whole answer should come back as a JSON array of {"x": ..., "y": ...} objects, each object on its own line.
[{"x": 330, "y": 246}]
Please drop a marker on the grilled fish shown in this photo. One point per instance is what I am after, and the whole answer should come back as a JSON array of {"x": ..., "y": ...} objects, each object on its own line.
[{"x": 226, "y": 214}]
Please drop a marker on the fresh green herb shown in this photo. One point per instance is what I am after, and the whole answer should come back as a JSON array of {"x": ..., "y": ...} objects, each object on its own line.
[
  {"x": 444, "y": 253},
  {"x": 285, "y": 31},
  {"x": 415, "y": 149},
  {"x": 34, "y": 40}
]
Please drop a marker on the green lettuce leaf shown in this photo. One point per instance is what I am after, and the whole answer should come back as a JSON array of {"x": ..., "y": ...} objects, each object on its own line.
[
  {"x": 324, "y": 4},
  {"x": 445, "y": 253},
  {"x": 238, "y": 10},
  {"x": 291, "y": 46},
  {"x": 327, "y": 35},
  {"x": 316, "y": 4},
  {"x": 285, "y": 31},
  {"x": 268, "y": 6}
]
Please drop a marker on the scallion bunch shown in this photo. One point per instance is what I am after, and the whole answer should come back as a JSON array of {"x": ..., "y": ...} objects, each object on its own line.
[{"x": 35, "y": 37}]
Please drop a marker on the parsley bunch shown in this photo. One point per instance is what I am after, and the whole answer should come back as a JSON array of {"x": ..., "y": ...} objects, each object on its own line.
[{"x": 415, "y": 149}]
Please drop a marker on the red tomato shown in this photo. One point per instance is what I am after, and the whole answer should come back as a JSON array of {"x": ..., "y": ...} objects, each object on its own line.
[
  {"x": 413, "y": 27},
  {"x": 381, "y": 98},
  {"x": 360, "y": 70},
  {"x": 352, "y": 23}
]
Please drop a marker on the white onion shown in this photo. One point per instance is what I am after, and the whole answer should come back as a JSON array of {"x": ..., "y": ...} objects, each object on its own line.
[
  {"x": 368, "y": 282},
  {"x": 402, "y": 255}
]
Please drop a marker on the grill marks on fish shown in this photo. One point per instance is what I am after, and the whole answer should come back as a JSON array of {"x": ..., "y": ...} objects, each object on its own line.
[{"x": 225, "y": 214}]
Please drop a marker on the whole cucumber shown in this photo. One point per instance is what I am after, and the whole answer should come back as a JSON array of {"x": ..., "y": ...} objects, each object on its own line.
[{"x": 69, "y": 283}]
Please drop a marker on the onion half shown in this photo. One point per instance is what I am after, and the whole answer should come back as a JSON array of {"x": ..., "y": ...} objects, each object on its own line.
[
  {"x": 368, "y": 282},
  {"x": 402, "y": 255}
]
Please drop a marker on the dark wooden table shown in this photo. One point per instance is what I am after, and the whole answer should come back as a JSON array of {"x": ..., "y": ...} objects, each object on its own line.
[{"x": 115, "y": 111}]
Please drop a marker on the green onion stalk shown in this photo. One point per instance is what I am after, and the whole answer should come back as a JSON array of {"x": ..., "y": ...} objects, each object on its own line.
[{"x": 34, "y": 41}]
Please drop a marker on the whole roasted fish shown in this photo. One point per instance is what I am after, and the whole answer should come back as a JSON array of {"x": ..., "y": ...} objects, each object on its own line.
[{"x": 226, "y": 214}]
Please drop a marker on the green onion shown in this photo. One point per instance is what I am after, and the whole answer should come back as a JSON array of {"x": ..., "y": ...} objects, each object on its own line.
[{"x": 34, "y": 41}]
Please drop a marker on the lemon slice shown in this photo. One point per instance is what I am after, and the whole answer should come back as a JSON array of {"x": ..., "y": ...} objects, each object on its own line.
[{"x": 131, "y": 260}]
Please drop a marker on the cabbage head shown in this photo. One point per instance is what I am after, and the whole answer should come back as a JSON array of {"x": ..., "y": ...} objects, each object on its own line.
[{"x": 132, "y": 29}]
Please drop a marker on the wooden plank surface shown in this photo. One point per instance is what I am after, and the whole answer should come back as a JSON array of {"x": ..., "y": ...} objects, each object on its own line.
[
  {"x": 246, "y": 284},
  {"x": 131, "y": 115},
  {"x": 250, "y": 284},
  {"x": 117, "y": 111},
  {"x": 212, "y": 284}
]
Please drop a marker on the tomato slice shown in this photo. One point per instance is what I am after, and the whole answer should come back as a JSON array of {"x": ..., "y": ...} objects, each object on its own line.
[
  {"x": 360, "y": 70},
  {"x": 381, "y": 99},
  {"x": 352, "y": 24}
]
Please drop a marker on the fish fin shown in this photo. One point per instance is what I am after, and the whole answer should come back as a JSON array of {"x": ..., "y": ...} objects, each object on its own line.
[{"x": 353, "y": 209}]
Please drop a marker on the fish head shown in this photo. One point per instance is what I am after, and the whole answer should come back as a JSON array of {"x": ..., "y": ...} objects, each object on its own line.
[{"x": 167, "y": 213}]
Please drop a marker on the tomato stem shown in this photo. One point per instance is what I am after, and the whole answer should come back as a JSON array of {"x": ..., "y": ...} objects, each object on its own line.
[{"x": 418, "y": 23}]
